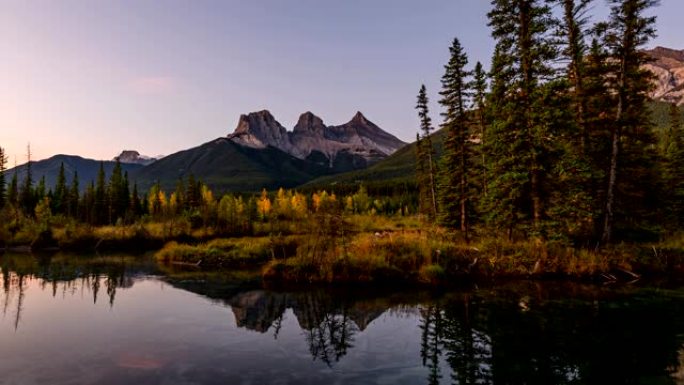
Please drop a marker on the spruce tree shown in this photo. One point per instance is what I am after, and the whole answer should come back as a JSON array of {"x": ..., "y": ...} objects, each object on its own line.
[
  {"x": 571, "y": 205},
  {"x": 673, "y": 170},
  {"x": 100, "y": 207},
  {"x": 456, "y": 165},
  {"x": 572, "y": 31},
  {"x": 628, "y": 176},
  {"x": 13, "y": 190},
  {"x": 136, "y": 204},
  {"x": 125, "y": 196},
  {"x": 60, "y": 196},
  {"x": 423, "y": 193},
  {"x": 89, "y": 205},
  {"x": 518, "y": 135},
  {"x": 427, "y": 151},
  {"x": 73, "y": 197},
  {"x": 479, "y": 101},
  {"x": 26, "y": 193},
  {"x": 41, "y": 190},
  {"x": 117, "y": 193},
  {"x": 180, "y": 195},
  {"x": 3, "y": 182}
]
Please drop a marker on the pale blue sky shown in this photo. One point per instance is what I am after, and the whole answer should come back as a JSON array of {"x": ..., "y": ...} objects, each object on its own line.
[{"x": 94, "y": 77}]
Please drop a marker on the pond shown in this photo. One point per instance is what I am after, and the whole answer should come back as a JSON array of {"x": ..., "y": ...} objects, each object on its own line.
[{"x": 125, "y": 320}]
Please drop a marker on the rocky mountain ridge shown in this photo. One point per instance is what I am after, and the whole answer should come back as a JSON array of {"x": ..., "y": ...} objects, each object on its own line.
[
  {"x": 668, "y": 68},
  {"x": 134, "y": 157},
  {"x": 353, "y": 145}
]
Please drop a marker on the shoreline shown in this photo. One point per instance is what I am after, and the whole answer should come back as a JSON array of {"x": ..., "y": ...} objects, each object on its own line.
[{"x": 394, "y": 258}]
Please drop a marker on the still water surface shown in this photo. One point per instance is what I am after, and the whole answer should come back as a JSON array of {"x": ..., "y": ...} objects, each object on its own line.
[{"x": 122, "y": 320}]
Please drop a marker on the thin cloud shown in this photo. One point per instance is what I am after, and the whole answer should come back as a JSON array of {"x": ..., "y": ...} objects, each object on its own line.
[{"x": 153, "y": 85}]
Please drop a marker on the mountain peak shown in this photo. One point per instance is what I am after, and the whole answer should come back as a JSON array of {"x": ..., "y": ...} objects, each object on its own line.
[
  {"x": 133, "y": 157},
  {"x": 309, "y": 123},
  {"x": 254, "y": 120},
  {"x": 359, "y": 118},
  {"x": 259, "y": 130}
]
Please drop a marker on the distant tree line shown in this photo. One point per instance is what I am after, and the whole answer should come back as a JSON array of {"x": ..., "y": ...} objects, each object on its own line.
[
  {"x": 556, "y": 141},
  {"x": 110, "y": 200}
]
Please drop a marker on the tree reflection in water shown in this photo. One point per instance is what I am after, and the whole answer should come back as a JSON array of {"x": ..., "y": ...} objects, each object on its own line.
[
  {"x": 535, "y": 333},
  {"x": 62, "y": 274}
]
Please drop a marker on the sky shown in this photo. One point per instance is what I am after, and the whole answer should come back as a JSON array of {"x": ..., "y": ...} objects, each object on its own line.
[{"x": 93, "y": 78}]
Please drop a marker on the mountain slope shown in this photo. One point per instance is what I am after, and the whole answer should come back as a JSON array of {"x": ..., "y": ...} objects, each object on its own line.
[
  {"x": 87, "y": 169},
  {"x": 399, "y": 167},
  {"x": 227, "y": 166},
  {"x": 668, "y": 67}
]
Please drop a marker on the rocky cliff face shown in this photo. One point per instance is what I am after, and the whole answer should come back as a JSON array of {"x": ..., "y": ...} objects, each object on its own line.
[
  {"x": 349, "y": 146},
  {"x": 134, "y": 157},
  {"x": 668, "y": 67}
]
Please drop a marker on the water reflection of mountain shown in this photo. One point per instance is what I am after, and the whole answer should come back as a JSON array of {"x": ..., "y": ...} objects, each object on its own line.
[
  {"x": 259, "y": 310},
  {"x": 329, "y": 319}
]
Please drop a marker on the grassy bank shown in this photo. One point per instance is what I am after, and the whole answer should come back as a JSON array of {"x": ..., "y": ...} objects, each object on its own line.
[
  {"x": 353, "y": 248},
  {"x": 427, "y": 257}
]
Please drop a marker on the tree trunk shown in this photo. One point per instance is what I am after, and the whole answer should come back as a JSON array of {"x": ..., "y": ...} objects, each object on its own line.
[
  {"x": 464, "y": 197},
  {"x": 432, "y": 181},
  {"x": 615, "y": 148}
]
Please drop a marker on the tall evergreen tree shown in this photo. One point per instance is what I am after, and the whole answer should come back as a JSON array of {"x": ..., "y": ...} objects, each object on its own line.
[
  {"x": 627, "y": 30},
  {"x": 73, "y": 197},
  {"x": 125, "y": 195},
  {"x": 100, "y": 207},
  {"x": 26, "y": 193},
  {"x": 572, "y": 32},
  {"x": 60, "y": 196},
  {"x": 41, "y": 190},
  {"x": 456, "y": 165},
  {"x": 118, "y": 194},
  {"x": 673, "y": 173},
  {"x": 88, "y": 205},
  {"x": 13, "y": 190},
  {"x": 480, "y": 96},
  {"x": 423, "y": 193},
  {"x": 136, "y": 204},
  {"x": 3, "y": 182},
  {"x": 427, "y": 151},
  {"x": 519, "y": 133}
]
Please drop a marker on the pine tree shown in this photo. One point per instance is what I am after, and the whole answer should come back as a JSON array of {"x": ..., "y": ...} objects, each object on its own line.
[
  {"x": 41, "y": 190},
  {"x": 26, "y": 193},
  {"x": 427, "y": 151},
  {"x": 423, "y": 193},
  {"x": 624, "y": 34},
  {"x": 100, "y": 206},
  {"x": 117, "y": 193},
  {"x": 456, "y": 165},
  {"x": 3, "y": 182},
  {"x": 136, "y": 204},
  {"x": 73, "y": 197},
  {"x": 60, "y": 196},
  {"x": 89, "y": 204},
  {"x": 125, "y": 196},
  {"x": 518, "y": 134},
  {"x": 572, "y": 33},
  {"x": 480, "y": 96},
  {"x": 673, "y": 173},
  {"x": 13, "y": 190},
  {"x": 192, "y": 196},
  {"x": 180, "y": 195}
]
